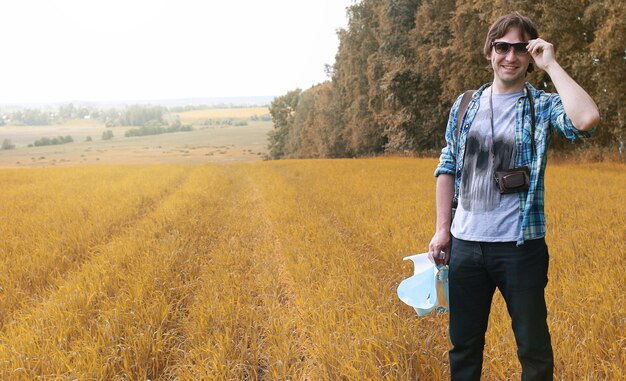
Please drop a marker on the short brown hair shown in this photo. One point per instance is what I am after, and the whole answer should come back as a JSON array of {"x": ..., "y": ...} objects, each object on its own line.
[{"x": 502, "y": 26}]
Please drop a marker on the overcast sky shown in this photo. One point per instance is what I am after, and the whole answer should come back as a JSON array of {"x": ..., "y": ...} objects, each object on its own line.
[{"x": 97, "y": 50}]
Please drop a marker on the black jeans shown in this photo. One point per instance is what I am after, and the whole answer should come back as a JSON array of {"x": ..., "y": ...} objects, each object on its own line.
[{"x": 521, "y": 274}]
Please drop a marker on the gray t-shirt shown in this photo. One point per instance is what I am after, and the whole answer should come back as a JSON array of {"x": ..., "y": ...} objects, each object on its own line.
[{"x": 483, "y": 214}]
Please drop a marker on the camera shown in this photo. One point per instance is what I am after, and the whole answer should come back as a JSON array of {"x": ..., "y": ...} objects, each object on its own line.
[{"x": 513, "y": 180}]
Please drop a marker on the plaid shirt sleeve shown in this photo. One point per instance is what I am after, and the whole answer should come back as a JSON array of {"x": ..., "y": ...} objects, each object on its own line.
[
  {"x": 561, "y": 123},
  {"x": 447, "y": 159},
  {"x": 551, "y": 117}
]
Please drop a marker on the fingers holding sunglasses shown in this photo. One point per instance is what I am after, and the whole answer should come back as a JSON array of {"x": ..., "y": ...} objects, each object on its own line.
[
  {"x": 542, "y": 52},
  {"x": 502, "y": 47},
  {"x": 538, "y": 45}
]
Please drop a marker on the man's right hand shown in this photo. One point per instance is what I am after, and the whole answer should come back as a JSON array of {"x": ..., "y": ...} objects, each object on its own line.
[{"x": 439, "y": 247}]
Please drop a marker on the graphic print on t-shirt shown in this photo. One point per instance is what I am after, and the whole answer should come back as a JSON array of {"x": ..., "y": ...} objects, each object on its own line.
[{"x": 479, "y": 192}]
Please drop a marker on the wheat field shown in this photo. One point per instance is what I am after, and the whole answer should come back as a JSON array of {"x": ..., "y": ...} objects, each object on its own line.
[
  {"x": 275, "y": 271},
  {"x": 200, "y": 116}
]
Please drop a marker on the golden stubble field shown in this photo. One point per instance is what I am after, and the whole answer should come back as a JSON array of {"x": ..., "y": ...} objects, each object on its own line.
[{"x": 274, "y": 271}]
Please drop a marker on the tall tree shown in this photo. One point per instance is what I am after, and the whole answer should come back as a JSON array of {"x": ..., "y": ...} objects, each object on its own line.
[
  {"x": 357, "y": 45},
  {"x": 402, "y": 63},
  {"x": 428, "y": 72},
  {"x": 319, "y": 119},
  {"x": 608, "y": 69},
  {"x": 393, "y": 97},
  {"x": 282, "y": 110}
]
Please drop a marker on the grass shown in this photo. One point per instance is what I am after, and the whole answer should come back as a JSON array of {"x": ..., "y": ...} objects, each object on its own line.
[{"x": 276, "y": 270}]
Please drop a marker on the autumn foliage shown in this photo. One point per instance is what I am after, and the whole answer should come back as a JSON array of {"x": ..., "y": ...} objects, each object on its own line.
[{"x": 402, "y": 63}]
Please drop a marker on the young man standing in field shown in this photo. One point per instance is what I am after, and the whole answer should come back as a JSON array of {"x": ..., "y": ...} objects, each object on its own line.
[{"x": 496, "y": 238}]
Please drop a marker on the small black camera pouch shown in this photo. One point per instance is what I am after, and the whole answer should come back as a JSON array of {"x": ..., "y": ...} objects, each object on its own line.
[{"x": 513, "y": 180}]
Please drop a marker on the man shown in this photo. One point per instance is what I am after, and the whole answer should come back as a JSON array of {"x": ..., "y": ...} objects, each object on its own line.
[{"x": 495, "y": 239}]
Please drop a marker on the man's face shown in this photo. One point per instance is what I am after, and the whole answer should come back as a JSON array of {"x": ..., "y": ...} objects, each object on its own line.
[{"x": 509, "y": 68}]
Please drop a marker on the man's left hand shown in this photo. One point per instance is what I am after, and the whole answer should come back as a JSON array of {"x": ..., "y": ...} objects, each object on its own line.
[{"x": 542, "y": 53}]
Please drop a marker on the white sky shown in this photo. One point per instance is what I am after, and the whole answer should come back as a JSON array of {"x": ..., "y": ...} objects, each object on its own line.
[{"x": 74, "y": 50}]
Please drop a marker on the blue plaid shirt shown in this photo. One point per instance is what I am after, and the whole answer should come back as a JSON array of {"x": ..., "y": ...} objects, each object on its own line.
[{"x": 549, "y": 117}]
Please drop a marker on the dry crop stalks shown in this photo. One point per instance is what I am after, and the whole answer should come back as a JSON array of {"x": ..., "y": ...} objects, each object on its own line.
[
  {"x": 54, "y": 220},
  {"x": 349, "y": 306},
  {"x": 112, "y": 316},
  {"x": 281, "y": 270}
]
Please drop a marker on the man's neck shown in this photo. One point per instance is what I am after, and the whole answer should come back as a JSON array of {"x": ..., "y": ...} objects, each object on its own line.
[{"x": 501, "y": 88}]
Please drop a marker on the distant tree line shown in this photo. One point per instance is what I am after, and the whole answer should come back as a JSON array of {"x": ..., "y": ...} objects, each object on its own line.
[
  {"x": 136, "y": 115},
  {"x": 46, "y": 116},
  {"x": 45, "y": 141},
  {"x": 226, "y": 122},
  {"x": 402, "y": 63},
  {"x": 157, "y": 130},
  {"x": 130, "y": 116},
  {"x": 141, "y": 116}
]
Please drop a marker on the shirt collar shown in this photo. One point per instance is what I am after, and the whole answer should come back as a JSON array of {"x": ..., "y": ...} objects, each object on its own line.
[{"x": 527, "y": 87}]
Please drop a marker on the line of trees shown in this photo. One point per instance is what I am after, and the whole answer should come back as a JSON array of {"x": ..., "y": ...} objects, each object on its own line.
[
  {"x": 142, "y": 116},
  {"x": 135, "y": 115},
  {"x": 227, "y": 121},
  {"x": 45, "y": 141},
  {"x": 157, "y": 130},
  {"x": 32, "y": 117},
  {"x": 402, "y": 63}
]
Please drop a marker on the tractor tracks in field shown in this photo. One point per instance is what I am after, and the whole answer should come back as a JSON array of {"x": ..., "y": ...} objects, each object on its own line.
[
  {"x": 292, "y": 360},
  {"x": 35, "y": 288},
  {"x": 141, "y": 284}
]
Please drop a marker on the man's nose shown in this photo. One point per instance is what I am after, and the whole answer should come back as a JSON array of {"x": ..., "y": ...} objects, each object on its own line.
[{"x": 510, "y": 55}]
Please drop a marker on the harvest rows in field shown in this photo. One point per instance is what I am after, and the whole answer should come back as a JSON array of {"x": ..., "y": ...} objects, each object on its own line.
[{"x": 271, "y": 271}]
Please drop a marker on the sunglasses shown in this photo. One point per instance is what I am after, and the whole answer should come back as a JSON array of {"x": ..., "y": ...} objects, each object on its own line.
[{"x": 503, "y": 47}]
